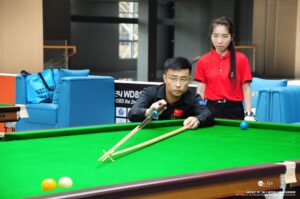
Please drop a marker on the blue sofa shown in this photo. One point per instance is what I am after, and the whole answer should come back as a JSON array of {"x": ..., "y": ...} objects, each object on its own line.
[
  {"x": 285, "y": 105},
  {"x": 258, "y": 84},
  {"x": 82, "y": 101},
  {"x": 279, "y": 105}
]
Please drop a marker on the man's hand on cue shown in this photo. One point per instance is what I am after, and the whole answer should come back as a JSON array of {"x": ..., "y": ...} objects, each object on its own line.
[
  {"x": 191, "y": 123},
  {"x": 155, "y": 106}
]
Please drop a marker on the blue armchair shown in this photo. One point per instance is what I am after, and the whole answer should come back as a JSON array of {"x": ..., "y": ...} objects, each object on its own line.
[
  {"x": 82, "y": 101},
  {"x": 261, "y": 98},
  {"x": 280, "y": 105},
  {"x": 259, "y": 84}
]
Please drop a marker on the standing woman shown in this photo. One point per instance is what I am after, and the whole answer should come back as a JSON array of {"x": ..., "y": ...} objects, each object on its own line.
[{"x": 224, "y": 75}]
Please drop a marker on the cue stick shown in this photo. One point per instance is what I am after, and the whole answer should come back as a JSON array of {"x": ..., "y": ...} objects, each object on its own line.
[
  {"x": 130, "y": 134},
  {"x": 149, "y": 142}
]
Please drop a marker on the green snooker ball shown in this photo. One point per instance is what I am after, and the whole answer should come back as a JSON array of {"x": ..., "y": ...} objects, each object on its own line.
[{"x": 244, "y": 125}]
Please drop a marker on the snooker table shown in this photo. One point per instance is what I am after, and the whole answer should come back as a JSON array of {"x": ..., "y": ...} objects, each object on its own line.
[
  {"x": 9, "y": 113},
  {"x": 212, "y": 162}
]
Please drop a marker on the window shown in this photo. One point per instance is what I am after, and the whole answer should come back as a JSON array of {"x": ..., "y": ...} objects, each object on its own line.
[{"x": 128, "y": 33}]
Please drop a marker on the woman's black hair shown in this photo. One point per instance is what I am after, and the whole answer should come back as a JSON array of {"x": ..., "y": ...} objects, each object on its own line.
[{"x": 227, "y": 23}]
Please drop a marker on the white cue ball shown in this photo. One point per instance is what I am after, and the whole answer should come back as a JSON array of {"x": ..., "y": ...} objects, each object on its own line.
[{"x": 65, "y": 182}]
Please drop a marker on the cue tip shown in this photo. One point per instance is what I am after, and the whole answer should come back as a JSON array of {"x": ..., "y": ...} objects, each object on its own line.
[{"x": 103, "y": 156}]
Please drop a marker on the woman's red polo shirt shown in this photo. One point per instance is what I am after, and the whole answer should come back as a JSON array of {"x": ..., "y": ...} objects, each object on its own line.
[{"x": 212, "y": 69}]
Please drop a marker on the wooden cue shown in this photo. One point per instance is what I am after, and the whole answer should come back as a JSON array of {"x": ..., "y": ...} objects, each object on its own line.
[
  {"x": 149, "y": 142},
  {"x": 129, "y": 135}
]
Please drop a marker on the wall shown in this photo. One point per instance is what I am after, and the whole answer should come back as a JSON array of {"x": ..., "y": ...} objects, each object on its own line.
[
  {"x": 275, "y": 22},
  {"x": 165, "y": 36},
  {"x": 97, "y": 43},
  {"x": 243, "y": 22},
  {"x": 1, "y": 36},
  {"x": 143, "y": 52},
  {"x": 274, "y": 33},
  {"x": 297, "y": 51},
  {"x": 21, "y": 31},
  {"x": 285, "y": 38},
  {"x": 259, "y": 34},
  {"x": 193, "y": 20},
  {"x": 191, "y": 30},
  {"x": 56, "y": 20}
]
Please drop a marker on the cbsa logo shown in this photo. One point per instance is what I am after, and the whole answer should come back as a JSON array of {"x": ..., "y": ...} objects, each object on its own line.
[{"x": 261, "y": 183}]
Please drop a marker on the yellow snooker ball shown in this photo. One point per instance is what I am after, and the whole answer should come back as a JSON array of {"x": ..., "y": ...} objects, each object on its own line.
[
  {"x": 65, "y": 182},
  {"x": 48, "y": 184}
]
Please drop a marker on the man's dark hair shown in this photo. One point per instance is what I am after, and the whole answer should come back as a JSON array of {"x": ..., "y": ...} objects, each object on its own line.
[{"x": 177, "y": 63}]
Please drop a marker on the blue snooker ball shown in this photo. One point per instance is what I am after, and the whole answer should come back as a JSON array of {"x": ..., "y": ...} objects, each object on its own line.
[{"x": 244, "y": 125}]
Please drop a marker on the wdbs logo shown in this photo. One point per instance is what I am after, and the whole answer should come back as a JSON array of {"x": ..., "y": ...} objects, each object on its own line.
[{"x": 120, "y": 112}]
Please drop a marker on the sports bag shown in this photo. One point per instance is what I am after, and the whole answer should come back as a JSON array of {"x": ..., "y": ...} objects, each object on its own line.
[{"x": 40, "y": 86}]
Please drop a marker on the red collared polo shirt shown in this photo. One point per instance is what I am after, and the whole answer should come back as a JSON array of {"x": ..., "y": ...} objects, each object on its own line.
[{"x": 212, "y": 69}]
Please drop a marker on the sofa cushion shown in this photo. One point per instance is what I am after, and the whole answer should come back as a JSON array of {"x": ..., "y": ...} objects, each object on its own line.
[
  {"x": 67, "y": 73},
  {"x": 43, "y": 113}
]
